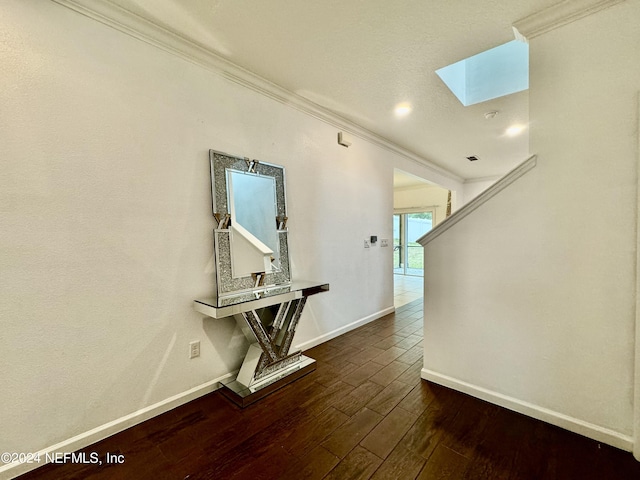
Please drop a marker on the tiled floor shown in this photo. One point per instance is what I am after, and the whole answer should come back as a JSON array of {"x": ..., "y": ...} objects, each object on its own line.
[{"x": 406, "y": 289}]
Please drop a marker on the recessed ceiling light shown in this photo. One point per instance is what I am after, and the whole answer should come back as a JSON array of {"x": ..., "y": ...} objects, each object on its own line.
[
  {"x": 514, "y": 130},
  {"x": 402, "y": 109}
]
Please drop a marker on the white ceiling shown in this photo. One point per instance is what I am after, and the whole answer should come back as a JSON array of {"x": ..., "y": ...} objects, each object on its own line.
[{"x": 360, "y": 58}]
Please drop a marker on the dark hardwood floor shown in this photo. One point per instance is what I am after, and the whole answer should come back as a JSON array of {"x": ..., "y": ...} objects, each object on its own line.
[{"x": 364, "y": 413}]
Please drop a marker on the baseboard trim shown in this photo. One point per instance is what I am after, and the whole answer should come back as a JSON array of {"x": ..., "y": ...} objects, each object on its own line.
[
  {"x": 342, "y": 330},
  {"x": 12, "y": 470},
  {"x": 596, "y": 432}
]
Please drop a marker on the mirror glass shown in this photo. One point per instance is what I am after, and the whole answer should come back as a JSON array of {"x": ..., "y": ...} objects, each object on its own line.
[
  {"x": 252, "y": 201},
  {"x": 250, "y": 236}
]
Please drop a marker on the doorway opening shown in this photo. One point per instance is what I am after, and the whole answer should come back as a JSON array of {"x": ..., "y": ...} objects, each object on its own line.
[
  {"x": 408, "y": 254},
  {"x": 418, "y": 206}
]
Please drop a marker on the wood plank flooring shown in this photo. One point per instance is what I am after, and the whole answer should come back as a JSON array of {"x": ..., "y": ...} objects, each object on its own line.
[{"x": 364, "y": 413}]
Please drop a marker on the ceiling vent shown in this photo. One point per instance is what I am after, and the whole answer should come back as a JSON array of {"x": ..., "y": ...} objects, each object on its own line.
[{"x": 472, "y": 158}]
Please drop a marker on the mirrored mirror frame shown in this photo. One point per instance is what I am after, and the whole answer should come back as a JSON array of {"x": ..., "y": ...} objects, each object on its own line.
[{"x": 226, "y": 284}]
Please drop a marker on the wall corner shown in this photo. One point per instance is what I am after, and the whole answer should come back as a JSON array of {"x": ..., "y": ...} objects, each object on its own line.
[{"x": 636, "y": 379}]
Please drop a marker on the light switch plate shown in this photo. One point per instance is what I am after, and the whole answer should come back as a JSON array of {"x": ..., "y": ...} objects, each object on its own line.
[
  {"x": 367, "y": 244},
  {"x": 384, "y": 242}
]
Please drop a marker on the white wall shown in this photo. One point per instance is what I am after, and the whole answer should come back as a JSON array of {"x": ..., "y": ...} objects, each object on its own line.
[
  {"x": 433, "y": 197},
  {"x": 530, "y": 300},
  {"x": 427, "y": 197},
  {"x": 474, "y": 187},
  {"x": 106, "y": 233}
]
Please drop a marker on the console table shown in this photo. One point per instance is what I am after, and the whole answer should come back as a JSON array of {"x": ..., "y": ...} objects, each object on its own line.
[{"x": 268, "y": 318}]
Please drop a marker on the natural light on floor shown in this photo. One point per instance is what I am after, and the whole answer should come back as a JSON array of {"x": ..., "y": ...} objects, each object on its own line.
[{"x": 406, "y": 289}]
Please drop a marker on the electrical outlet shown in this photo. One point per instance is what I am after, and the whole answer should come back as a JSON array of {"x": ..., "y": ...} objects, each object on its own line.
[
  {"x": 384, "y": 242},
  {"x": 194, "y": 349},
  {"x": 367, "y": 244}
]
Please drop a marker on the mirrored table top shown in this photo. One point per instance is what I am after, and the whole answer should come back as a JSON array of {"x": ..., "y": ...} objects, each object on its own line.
[{"x": 226, "y": 305}]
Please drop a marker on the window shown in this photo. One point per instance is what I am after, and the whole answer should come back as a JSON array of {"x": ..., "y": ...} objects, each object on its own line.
[{"x": 408, "y": 254}]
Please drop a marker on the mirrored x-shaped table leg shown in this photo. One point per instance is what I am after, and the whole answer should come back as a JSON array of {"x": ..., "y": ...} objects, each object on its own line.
[{"x": 268, "y": 364}]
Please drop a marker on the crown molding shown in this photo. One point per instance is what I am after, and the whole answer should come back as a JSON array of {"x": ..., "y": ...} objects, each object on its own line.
[
  {"x": 492, "y": 178},
  {"x": 558, "y": 15},
  {"x": 151, "y": 33},
  {"x": 421, "y": 186}
]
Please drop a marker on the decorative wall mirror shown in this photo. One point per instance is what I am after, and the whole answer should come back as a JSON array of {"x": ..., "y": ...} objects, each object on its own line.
[
  {"x": 249, "y": 206},
  {"x": 253, "y": 280}
]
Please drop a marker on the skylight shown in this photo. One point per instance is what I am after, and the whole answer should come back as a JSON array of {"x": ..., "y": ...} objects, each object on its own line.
[{"x": 491, "y": 74}]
